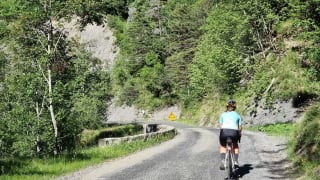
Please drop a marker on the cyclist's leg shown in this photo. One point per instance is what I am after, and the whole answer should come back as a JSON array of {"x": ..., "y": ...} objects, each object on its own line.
[
  {"x": 223, "y": 151},
  {"x": 236, "y": 148},
  {"x": 236, "y": 154},
  {"x": 222, "y": 140},
  {"x": 235, "y": 137}
]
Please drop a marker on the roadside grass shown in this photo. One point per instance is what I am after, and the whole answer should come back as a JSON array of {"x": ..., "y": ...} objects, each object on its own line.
[
  {"x": 278, "y": 129},
  {"x": 303, "y": 142},
  {"x": 43, "y": 169},
  {"x": 304, "y": 147},
  {"x": 189, "y": 122}
]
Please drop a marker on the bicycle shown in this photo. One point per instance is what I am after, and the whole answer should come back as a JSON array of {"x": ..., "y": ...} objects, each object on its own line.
[{"x": 229, "y": 160}]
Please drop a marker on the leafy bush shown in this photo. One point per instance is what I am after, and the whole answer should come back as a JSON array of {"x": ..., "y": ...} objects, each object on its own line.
[{"x": 306, "y": 142}]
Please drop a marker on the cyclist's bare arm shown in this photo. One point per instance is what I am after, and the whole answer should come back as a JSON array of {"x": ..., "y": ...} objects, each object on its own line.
[{"x": 240, "y": 129}]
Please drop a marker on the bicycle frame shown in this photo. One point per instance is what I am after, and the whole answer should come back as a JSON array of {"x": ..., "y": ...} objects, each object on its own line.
[{"x": 229, "y": 159}]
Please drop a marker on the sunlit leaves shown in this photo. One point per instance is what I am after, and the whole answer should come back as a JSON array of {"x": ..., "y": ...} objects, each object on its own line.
[
  {"x": 80, "y": 89},
  {"x": 218, "y": 60}
]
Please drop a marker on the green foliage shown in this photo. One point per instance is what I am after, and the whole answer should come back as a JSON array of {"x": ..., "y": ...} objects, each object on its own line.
[
  {"x": 305, "y": 27},
  {"x": 282, "y": 80},
  {"x": 311, "y": 59},
  {"x": 306, "y": 10},
  {"x": 183, "y": 37},
  {"x": 167, "y": 32},
  {"x": 306, "y": 142},
  {"x": 196, "y": 53},
  {"x": 139, "y": 68},
  {"x": 236, "y": 37},
  {"x": 117, "y": 25},
  {"x": 218, "y": 61},
  {"x": 278, "y": 129},
  {"x": 80, "y": 88},
  {"x": 91, "y": 11},
  {"x": 54, "y": 167}
]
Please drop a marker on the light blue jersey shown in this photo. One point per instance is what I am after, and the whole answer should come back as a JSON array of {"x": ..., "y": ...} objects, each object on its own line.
[{"x": 230, "y": 120}]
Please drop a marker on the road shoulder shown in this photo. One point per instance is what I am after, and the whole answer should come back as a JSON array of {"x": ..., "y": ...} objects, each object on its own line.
[{"x": 272, "y": 151}]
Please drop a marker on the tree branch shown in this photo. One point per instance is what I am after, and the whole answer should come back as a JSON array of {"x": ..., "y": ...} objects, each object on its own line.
[{"x": 270, "y": 85}]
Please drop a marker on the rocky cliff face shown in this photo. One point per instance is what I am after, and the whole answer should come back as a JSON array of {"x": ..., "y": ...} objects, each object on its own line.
[
  {"x": 98, "y": 40},
  {"x": 281, "y": 112},
  {"x": 131, "y": 114}
]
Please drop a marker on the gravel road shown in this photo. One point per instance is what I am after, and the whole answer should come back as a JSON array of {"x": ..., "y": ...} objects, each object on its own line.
[{"x": 194, "y": 155}]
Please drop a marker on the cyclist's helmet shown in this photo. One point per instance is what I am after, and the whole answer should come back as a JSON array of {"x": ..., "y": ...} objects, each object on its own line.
[{"x": 231, "y": 103}]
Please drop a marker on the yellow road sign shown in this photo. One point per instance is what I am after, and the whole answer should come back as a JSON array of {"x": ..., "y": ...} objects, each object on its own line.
[{"x": 172, "y": 117}]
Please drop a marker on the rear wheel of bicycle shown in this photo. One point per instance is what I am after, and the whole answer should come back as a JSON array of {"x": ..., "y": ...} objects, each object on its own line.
[{"x": 229, "y": 166}]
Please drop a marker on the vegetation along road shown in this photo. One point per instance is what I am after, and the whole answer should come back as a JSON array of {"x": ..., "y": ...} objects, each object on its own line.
[
  {"x": 193, "y": 154},
  {"x": 65, "y": 64}
]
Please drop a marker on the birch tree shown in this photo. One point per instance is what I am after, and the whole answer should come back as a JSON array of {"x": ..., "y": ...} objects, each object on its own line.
[
  {"x": 53, "y": 88},
  {"x": 49, "y": 39}
]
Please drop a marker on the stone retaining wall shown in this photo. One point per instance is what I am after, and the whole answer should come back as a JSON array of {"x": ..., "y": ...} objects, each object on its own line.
[{"x": 150, "y": 130}]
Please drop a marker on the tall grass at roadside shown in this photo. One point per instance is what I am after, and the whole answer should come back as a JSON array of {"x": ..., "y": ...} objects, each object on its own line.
[
  {"x": 305, "y": 144},
  {"x": 38, "y": 169},
  {"x": 278, "y": 129}
]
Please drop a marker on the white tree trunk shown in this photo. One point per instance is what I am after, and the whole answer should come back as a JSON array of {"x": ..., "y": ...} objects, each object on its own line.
[
  {"x": 53, "y": 119},
  {"x": 39, "y": 112},
  {"x": 48, "y": 78},
  {"x": 38, "y": 118},
  {"x": 50, "y": 101},
  {"x": 49, "y": 81}
]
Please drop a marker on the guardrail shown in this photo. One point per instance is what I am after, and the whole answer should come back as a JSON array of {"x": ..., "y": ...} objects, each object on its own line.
[{"x": 150, "y": 130}]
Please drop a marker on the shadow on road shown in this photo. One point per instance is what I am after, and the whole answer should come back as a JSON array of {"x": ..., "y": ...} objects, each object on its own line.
[
  {"x": 279, "y": 167},
  {"x": 243, "y": 170}
]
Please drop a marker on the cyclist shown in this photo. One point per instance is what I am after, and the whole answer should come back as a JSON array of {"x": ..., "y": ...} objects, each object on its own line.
[{"x": 230, "y": 126}]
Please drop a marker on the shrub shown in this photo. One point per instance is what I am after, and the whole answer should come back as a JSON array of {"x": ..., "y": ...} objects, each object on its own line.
[{"x": 306, "y": 142}]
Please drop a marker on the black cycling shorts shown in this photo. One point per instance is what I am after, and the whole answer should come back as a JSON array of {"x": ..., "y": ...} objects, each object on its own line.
[{"x": 225, "y": 133}]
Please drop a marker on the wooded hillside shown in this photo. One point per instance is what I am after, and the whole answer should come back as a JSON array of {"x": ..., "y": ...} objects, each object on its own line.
[
  {"x": 183, "y": 51},
  {"x": 194, "y": 53}
]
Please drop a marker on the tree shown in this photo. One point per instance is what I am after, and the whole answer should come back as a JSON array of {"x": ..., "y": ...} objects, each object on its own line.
[
  {"x": 92, "y": 11},
  {"x": 144, "y": 38},
  {"x": 218, "y": 62},
  {"x": 49, "y": 83},
  {"x": 184, "y": 20},
  {"x": 168, "y": 29}
]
